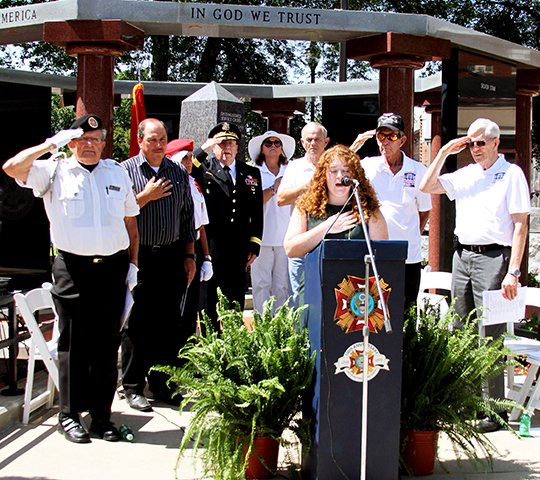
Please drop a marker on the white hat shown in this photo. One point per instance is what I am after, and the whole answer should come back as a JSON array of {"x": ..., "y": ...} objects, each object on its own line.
[{"x": 254, "y": 146}]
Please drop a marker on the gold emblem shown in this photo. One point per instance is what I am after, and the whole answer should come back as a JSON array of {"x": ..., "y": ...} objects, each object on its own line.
[
  {"x": 351, "y": 304},
  {"x": 226, "y": 127},
  {"x": 93, "y": 122}
]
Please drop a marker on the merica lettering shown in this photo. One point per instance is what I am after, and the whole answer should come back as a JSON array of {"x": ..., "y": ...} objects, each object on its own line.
[
  {"x": 257, "y": 15},
  {"x": 15, "y": 16}
]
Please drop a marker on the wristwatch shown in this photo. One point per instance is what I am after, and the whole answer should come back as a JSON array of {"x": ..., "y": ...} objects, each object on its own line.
[
  {"x": 516, "y": 273},
  {"x": 208, "y": 258}
]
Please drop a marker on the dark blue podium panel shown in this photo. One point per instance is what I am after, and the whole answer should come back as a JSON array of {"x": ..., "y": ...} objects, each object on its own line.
[{"x": 334, "y": 291}]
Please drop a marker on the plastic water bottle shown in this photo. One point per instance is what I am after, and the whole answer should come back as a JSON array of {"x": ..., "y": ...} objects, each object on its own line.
[
  {"x": 126, "y": 433},
  {"x": 525, "y": 424}
]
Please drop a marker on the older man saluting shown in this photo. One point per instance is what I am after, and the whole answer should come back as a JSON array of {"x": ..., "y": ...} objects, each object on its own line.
[
  {"x": 91, "y": 207},
  {"x": 492, "y": 206},
  {"x": 233, "y": 193},
  {"x": 396, "y": 179}
]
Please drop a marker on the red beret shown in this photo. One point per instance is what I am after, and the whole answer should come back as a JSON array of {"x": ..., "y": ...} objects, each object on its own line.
[{"x": 178, "y": 145}]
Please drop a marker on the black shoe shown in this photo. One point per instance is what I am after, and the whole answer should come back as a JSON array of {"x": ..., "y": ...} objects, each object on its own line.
[
  {"x": 488, "y": 424},
  {"x": 105, "y": 430},
  {"x": 70, "y": 426},
  {"x": 138, "y": 402}
]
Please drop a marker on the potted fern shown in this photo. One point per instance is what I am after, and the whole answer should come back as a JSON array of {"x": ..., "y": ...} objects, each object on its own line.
[
  {"x": 242, "y": 384},
  {"x": 444, "y": 370}
]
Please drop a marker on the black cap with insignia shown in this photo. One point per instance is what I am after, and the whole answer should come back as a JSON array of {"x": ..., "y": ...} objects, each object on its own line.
[
  {"x": 225, "y": 131},
  {"x": 89, "y": 123}
]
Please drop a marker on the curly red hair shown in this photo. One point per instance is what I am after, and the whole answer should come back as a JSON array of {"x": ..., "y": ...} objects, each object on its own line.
[{"x": 315, "y": 199}]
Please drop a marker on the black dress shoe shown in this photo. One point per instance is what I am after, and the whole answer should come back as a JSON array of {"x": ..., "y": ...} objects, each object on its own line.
[
  {"x": 138, "y": 402},
  {"x": 105, "y": 430},
  {"x": 489, "y": 424},
  {"x": 70, "y": 426}
]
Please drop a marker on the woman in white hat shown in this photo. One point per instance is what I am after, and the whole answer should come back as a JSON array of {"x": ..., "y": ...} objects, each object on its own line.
[{"x": 269, "y": 275}]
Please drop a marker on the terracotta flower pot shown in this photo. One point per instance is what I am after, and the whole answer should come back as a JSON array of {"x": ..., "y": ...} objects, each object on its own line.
[
  {"x": 264, "y": 452},
  {"x": 418, "y": 449}
]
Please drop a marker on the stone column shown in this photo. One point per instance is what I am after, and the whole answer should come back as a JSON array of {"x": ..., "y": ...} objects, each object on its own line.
[
  {"x": 95, "y": 43},
  {"x": 434, "y": 251},
  {"x": 397, "y": 55},
  {"x": 527, "y": 86},
  {"x": 396, "y": 89},
  {"x": 278, "y": 112}
]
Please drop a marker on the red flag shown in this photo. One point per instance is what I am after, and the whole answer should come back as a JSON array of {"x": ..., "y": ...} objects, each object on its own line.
[{"x": 138, "y": 113}]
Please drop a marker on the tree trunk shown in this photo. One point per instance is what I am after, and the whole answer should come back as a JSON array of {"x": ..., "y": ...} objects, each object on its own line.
[
  {"x": 207, "y": 66},
  {"x": 160, "y": 58}
]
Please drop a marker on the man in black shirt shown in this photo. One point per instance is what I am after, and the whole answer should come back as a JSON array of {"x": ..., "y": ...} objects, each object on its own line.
[{"x": 154, "y": 332}]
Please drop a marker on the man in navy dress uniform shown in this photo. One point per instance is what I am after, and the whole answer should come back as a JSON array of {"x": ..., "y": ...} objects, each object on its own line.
[{"x": 233, "y": 194}]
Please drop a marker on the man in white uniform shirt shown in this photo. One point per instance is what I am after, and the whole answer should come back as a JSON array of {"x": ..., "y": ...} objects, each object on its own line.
[
  {"x": 396, "y": 179},
  {"x": 492, "y": 208},
  {"x": 91, "y": 209},
  {"x": 295, "y": 181}
]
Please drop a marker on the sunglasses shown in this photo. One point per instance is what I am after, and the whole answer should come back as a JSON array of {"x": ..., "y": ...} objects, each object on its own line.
[
  {"x": 390, "y": 136},
  {"x": 478, "y": 143},
  {"x": 269, "y": 143}
]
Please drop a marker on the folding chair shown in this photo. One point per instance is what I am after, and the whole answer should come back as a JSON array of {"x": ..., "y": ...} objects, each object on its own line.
[
  {"x": 27, "y": 304},
  {"x": 433, "y": 281},
  {"x": 519, "y": 346}
]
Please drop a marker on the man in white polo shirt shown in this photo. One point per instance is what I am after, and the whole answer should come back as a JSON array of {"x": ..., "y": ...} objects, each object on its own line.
[
  {"x": 492, "y": 207},
  {"x": 295, "y": 181},
  {"x": 396, "y": 179}
]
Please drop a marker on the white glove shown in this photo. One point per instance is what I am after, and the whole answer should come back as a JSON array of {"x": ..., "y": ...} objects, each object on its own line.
[
  {"x": 131, "y": 279},
  {"x": 63, "y": 137},
  {"x": 206, "y": 271}
]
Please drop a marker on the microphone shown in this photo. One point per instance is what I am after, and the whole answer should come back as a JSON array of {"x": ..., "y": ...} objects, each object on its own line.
[{"x": 349, "y": 182}]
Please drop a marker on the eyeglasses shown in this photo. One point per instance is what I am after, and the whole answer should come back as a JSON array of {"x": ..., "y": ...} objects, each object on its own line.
[
  {"x": 478, "y": 143},
  {"x": 275, "y": 143},
  {"x": 390, "y": 136},
  {"x": 92, "y": 140}
]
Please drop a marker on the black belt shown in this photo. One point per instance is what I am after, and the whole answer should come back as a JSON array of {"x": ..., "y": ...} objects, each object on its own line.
[
  {"x": 158, "y": 248},
  {"x": 92, "y": 258},
  {"x": 481, "y": 248}
]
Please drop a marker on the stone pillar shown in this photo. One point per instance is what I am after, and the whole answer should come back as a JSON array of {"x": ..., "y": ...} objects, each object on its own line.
[
  {"x": 397, "y": 55},
  {"x": 434, "y": 251},
  {"x": 396, "y": 89},
  {"x": 527, "y": 86},
  {"x": 278, "y": 112},
  {"x": 95, "y": 43}
]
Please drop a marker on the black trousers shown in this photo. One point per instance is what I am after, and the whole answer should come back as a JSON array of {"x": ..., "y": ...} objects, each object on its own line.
[
  {"x": 89, "y": 295},
  {"x": 412, "y": 284},
  {"x": 229, "y": 263},
  {"x": 155, "y": 331}
]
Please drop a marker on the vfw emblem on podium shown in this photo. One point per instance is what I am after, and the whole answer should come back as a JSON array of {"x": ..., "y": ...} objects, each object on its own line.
[
  {"x": 352, "y": 362},
  {"x": 351, "y": 304}
]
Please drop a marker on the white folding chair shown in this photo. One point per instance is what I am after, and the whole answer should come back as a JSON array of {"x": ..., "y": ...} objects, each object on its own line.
[
  {"x": 433, "y": 281},
  {"x": 39, "y": 349},
  {"x": 519, "y": 346}
]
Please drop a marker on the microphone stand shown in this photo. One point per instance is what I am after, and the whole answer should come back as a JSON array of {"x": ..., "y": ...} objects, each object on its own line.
[{"x": 369, "y": 259}]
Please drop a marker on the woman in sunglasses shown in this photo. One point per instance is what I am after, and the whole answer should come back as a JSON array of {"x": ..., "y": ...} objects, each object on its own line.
[{"x": 269, "y": 275}]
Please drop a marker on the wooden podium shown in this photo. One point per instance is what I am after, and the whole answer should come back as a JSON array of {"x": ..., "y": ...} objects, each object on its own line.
[{"x": 334, "y": 291}]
